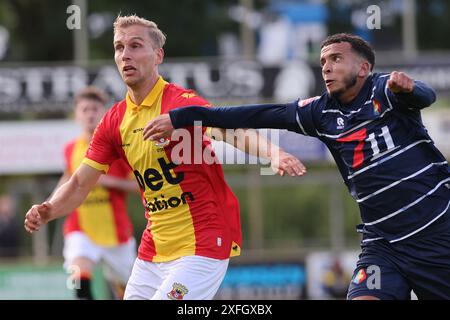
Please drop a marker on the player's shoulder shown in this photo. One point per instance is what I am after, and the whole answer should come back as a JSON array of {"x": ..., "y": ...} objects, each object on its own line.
[
  {"x": 114, "y": 115},
  {"x": 117, "y": 109},
  {"x": 380, "y": 78},
  {"x": 177, "y": 96},
  {"x": 316, "y": 101}
]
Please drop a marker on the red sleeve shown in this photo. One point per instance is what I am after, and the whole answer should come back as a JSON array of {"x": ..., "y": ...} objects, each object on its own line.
[
  {"x": 120, "y": 168},
  {"x": 189, "y": 98},
  {"x": 176, "y": 97},
  {"x": 106, "y": 140}
]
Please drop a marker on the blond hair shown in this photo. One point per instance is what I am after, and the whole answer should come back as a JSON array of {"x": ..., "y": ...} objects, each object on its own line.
[{"x": 158, "y": 37}]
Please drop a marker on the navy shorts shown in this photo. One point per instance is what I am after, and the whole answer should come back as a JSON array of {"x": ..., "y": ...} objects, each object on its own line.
[{"x": 421, "y": 263}]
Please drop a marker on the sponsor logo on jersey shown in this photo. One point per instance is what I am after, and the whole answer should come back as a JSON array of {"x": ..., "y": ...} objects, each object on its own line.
[{"x": 162, "y": 204}]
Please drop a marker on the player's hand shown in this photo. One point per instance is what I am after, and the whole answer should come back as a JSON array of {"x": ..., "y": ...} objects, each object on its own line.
[
  {"x": 158, "y": 128},
  {"x": 285, "y": 163},
  {"x": 38, "y": 215},
  {"x": 400, "y": 82}
]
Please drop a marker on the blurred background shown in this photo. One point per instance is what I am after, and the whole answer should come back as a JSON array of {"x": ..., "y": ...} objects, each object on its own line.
[{"x": 299, "y": 234}]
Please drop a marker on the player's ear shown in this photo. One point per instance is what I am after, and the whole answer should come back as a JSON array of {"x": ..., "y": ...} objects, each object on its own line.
[
  {"x": 159, "y": 56},
  {"x": 364, "y": 69}
]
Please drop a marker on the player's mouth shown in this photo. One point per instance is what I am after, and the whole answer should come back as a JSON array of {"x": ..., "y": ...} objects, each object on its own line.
[
  {"x": 128, "y": 70},
  {"x": 329, "y": 82}
]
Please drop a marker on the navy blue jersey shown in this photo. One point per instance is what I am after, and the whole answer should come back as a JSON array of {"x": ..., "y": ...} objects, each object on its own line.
[
  {"x": 385, "y": 155},
  {"x": 387, "y": 159}
]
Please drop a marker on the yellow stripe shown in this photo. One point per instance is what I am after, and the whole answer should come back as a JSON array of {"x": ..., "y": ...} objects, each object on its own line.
[{"x": 96, "y": 165}]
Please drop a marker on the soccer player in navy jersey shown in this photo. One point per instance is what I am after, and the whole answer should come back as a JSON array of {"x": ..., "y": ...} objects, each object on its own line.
[{"x": 372, "y": 125}]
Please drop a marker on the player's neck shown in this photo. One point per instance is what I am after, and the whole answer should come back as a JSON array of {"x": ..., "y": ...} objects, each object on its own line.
[
  {"x": 141, "y": 90},
  {"x": 351, "y": 93}
]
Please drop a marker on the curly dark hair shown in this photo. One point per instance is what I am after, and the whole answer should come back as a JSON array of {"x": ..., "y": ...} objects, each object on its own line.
[{"x": 359, "y": 45}]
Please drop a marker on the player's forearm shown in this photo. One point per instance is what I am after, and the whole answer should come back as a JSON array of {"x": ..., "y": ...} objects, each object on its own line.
[
  {"x": 72, "y": 193},
  {"x": 276, "y": 116},
  {"x": 67, "y": 198},
  {"x": 256, "y": 145},
  {"x": 421, "y": 97},
  {"x": 248, "y": 141}
]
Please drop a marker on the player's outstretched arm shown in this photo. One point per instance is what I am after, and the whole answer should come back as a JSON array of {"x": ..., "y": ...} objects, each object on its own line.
[
  {"x": 275, "y": 116},
  {"x": 65, "y": 199},
  {"x": 252, "y": 143},
  {"x": 414, "y": 94}
]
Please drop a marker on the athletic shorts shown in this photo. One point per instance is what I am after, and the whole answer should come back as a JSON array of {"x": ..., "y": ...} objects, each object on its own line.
[
  {"x": 119, "y": 259},
  {"x": 186, "y": 278},
  {"x": 421, "y": 263}
]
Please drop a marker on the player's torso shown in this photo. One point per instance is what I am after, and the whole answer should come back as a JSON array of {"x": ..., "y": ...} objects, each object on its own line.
[
  {"x": 388, "y": 161},
  {"x": 183, "y": 212}
]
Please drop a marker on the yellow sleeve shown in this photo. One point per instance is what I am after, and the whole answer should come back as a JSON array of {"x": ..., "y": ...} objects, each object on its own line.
[{"x": 96, "y": 165}]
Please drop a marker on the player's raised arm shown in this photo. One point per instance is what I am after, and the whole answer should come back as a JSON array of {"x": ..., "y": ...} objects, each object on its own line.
[
  {"x": 64, "y": 200},
  {"x": 414, "y": 94}
]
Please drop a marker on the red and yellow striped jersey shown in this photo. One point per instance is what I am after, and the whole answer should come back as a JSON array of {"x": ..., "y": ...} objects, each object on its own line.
[
  {"x": 102, "y": 216},
  {"x": 189, "y": 207}
]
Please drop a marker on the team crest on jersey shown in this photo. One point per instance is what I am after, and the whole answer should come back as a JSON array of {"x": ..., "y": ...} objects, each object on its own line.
[
  {"x": 376, "y": 107},
  {"x": 359, "y": 277},
  {"x": 304, "y": 102},
  {"x": 178, "y": 292}
]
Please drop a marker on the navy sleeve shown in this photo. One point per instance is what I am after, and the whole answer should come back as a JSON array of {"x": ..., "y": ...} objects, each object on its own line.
[
  {"x": 421, "y": 97},
  {"x": 273, "y": 116}
]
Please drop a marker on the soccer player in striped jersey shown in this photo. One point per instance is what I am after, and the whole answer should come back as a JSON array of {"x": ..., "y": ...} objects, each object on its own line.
[
  {"x": 193, "y": 217},
  {"x": 99, "y": 230},
  {"x": 372, "y": 125}
]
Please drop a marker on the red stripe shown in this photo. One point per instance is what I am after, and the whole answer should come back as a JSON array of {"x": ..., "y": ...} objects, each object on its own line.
[
  {"x": 72, "y": 223},
  {"x": 68, "y": 152}
]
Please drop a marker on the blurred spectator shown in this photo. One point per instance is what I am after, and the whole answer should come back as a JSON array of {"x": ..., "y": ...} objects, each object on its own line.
[
  {"x": 274, "y": 40},
  {"x": 335, "y": 280},
  {"x": 9, "y": 227}
]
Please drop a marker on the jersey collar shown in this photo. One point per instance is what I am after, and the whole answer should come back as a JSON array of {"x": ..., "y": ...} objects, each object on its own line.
[{"x": 151, "y": 98}]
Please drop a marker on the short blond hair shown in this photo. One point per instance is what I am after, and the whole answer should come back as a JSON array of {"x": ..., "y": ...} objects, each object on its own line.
[{"x": 155, "y": 33}]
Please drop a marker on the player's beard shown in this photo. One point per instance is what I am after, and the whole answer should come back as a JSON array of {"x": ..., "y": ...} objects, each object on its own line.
[{"x": 349, "y": 82}]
